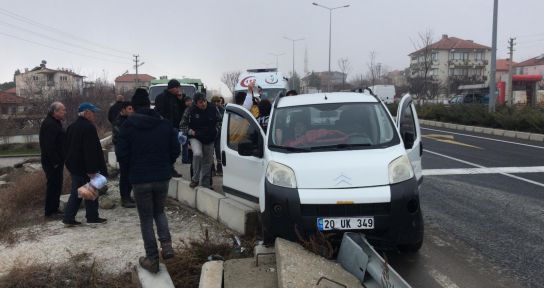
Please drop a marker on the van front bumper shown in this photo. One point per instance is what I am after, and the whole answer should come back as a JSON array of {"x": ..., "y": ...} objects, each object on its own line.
[{"x": 398, "y": 222}]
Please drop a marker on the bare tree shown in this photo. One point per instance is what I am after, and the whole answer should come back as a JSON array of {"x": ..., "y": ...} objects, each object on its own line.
[
  {"x": 421, "y": 81},
  {"x": 230, "y": 79},
  {"x": 373, "y": 68},
  {"x": 345, "y": 67}
]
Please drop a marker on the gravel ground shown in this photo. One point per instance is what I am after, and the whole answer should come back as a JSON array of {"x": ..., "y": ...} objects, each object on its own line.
[{"x": 118, "y": 243}]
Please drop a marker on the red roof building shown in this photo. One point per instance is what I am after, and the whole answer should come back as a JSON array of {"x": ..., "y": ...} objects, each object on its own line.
[
  {"x": 127, "y": 83},
  {"x": 132, "y": 78}
]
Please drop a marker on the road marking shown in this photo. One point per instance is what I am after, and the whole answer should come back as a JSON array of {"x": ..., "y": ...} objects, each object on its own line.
[
  {"x": 486, "y": 138},
  {"x": 442, "y": 279},
  {"x": 488, "y": 170},
  {"x": 447, "y": 139},
  {"x": 480, "y": 166}
]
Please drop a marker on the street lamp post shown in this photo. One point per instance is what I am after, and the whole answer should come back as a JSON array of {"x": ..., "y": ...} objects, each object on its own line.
[
  {"x": 293, "y": 40},
  {"x": 276, "y": 55},
  {"x": 330, "y": 30}
]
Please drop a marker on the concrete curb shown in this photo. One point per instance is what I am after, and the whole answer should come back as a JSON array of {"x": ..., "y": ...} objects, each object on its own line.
[
  {"x": 186, "y": 194},
  {"x": 112, "y": 160},
  {"x": 207, "y": 202},
  {"x": 211, "y": 275},
  {"x": 146, "y": 279},
  {"x": 238, "y": 216},
  {"x": 485, "y": 130},
  {"x": 173, "y": 188}
]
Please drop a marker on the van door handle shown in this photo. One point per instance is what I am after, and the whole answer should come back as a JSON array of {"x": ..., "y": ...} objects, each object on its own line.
[{"x": 223, "y": 158}]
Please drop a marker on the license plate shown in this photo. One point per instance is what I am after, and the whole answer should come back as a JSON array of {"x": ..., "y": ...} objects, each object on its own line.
[{"x": 354, "y": 223}]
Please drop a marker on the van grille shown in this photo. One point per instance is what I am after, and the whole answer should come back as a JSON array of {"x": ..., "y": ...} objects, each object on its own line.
[{"x": 319, "y": 210}]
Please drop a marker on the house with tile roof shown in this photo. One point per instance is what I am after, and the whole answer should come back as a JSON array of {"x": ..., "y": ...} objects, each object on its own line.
[
  {"x": 127, "y": 83},
  {"x": 452, "y": 62},
  {"x": 533, "y": 66},
  {"x": 42, "y": 82}
]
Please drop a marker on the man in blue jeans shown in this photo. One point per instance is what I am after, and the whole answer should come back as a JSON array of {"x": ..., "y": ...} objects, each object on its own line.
[
  {"x": 84, "y": 158},
  {"x": 149, "y": 145}
]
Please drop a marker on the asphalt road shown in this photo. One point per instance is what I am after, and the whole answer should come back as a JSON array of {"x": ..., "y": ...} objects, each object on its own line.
[{"x": 483, "y": 204}]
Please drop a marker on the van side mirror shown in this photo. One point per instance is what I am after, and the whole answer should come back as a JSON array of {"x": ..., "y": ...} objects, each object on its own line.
[
  {"x": 408, "y": 139},
  {"x": 250, "y": 149}
]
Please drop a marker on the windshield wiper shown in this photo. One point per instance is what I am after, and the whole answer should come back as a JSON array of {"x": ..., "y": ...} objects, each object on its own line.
[
  {"x": 289, "y": 148},
  {"x": 341, "y": 146}
]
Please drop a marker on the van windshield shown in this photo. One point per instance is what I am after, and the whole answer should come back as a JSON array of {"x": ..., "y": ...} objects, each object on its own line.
[
  {"x": 336, "y": 126},
  {"x": 271, "y": 93},
  {"x": 154, "y": 91}
]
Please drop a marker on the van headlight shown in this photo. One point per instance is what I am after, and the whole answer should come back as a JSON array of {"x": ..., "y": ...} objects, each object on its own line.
[
  {"x": 400, "y": 170},
  {"x": 280, "y": 175}
]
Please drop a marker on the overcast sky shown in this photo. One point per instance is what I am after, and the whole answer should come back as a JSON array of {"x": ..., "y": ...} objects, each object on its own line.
[{"x": 205, "y": 38}]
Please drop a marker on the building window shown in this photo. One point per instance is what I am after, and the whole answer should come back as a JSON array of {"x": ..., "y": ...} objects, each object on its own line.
[
  {"x": 459, "y": 56},
  {"x": 435, "y": 56},
  {"x": 35, "y": 78},
  {"x": 479, "y": 56},
  {"x": 457, "y": 72},
  {"x": 64, "y": 78}
]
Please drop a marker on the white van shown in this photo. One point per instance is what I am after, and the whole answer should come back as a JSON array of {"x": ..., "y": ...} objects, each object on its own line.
[
  {"x": 384, "y": 92},
  {"x": 270, "y": 80},
  {"x": 335, "y": 161}
]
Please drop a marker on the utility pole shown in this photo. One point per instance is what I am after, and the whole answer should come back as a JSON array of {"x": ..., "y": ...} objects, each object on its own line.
[
  {"x": 492, "y": 73},
  {"x": 276, "y": 55},
  {"x": 509, "y": 88},
  {"x": 293, "y": 40},
  {"x": 136, "y": 66}
]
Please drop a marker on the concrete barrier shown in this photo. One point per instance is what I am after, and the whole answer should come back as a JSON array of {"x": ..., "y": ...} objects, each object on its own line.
[
  {"x": 207, "y": 202},
  {"x": 186, "y": 194},
  {"x": 498, "y": 132},
  {"x": 469, "y": 128},
  {"x": 211, "y": 275},
  {"x": 510, "y": 134},
  {"x": 486, "y": 130},
  {"x": 106, "y": 141},
  {"x": 523, "y": 135},
  {"x": 112, "y": 160},
  {"x": 173, "y": 188},
  {"x": 478, "y": 129},
  {"x": 238, "y": 217},
  {"x": 536, "y": 137},
  {"x": 146, "y": 279}
]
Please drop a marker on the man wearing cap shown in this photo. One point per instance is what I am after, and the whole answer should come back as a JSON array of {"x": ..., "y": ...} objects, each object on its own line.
[
  {"x": 150, "y": 146},
  {"x": 169, "y": 105},
  {"x": 201, "y": 123},
  {"x": 84, "y": 158}
]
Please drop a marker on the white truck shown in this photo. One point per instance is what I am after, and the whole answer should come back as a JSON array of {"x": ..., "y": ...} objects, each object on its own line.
[
  {"x": 385, "y": 92},
  {"x": 272, "y": 82},
  {"x": 328, "y": 162}
]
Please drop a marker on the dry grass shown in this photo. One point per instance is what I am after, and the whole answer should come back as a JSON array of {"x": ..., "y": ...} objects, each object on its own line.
[
  {"x": 79, "y": 271},
  {"x": 185, "y": 268},
  {"x": 319, "y": 243},
  {"x": 21, "y": 204}
]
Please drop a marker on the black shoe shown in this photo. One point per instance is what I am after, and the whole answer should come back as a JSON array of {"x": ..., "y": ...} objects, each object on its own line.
[
  {"x": 97, "y": 220},
  {"x": 127, "y": 203},
  {"x": 149, "y": 265},
  {"x": 71, "y": 223},
  {"x": 167, "y": 250}
]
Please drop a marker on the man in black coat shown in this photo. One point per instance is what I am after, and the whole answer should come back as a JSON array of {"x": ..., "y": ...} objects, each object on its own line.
[
  {"x": 169, "y": 105},
  {"x": 124, "y": 184},
  {"x": 51, "y": 141},
  {"x": 115, "y": 108},
  {"x": 150, "y": 146},
  {"x": 84, "y": 158},
  {"x": 201, "y": 123}
]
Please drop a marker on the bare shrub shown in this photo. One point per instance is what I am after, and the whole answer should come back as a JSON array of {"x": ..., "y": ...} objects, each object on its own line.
[
  {"x": 20, "y": 204},
  {"x": 78, "y": 271},
  {"x": 318, "y": 243}
]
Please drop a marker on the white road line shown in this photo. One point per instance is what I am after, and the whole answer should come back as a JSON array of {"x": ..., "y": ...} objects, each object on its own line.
[
  {"x": 480, "y": 166},
  {"x": 490, "y": 170},
  {"x": 442, "y": 279},
  {"x": 485, "y": 138}
]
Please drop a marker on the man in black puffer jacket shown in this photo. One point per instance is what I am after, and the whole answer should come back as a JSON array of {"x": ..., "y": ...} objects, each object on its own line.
[
  {"x": 201, "y": 123},
  {"x": 149, "y": 146}
]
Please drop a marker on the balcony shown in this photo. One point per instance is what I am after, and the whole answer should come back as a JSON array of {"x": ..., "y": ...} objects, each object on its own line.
[{"x": 464, "y": 78}]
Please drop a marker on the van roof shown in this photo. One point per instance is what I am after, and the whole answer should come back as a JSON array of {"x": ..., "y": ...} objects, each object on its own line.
[{"x": 319, "y": 98}]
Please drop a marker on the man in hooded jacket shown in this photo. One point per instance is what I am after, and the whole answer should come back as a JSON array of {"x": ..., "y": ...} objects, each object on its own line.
[{"x": 149, "y": 145}]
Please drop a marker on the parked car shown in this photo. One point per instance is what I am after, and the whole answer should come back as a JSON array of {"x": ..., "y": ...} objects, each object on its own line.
[{"x": 328, "y": 162}]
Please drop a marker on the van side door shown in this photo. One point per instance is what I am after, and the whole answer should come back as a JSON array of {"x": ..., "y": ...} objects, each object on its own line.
[
  {"x": 242, "y": 151},
  {"x": 410, "y": 132}
]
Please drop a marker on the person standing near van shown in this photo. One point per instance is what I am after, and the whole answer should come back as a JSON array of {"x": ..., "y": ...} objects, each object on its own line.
[
  {"x": 124, "y": 185},
  {"x": 51, "y": 141},
  {"x": 170, "y": 106},
  {"x": 216, "y": 100},
  {"x": 201, "y": 123},
  {"x": 150, "y": 146}
]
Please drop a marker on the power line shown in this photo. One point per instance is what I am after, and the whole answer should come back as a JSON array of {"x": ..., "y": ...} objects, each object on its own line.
[
  {"x": 60, "y": 41},
  {"x": 64, "y": 50},
  {"x": 50, "y": 28}
]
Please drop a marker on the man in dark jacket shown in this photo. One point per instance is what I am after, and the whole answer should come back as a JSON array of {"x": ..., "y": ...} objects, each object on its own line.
[
  {"x": 51, "y": 141},
  {"x": 124, "y": 184},
  {"x": 115, "y": 108},
  {"x": 170, "y": 106},
  {"x": 201, "y": 123},
  {"x": 150, "y": 146},
  {"x": 84, "y": 158}
]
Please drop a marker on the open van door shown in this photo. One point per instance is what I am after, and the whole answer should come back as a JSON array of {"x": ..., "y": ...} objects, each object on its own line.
[
  {"x": 242, "y": 151},
  {"x": 408, "y": 126}
]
